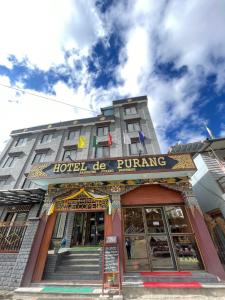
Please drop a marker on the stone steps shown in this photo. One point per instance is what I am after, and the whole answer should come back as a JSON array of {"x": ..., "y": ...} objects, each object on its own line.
[{"x": 76, "y": 265}]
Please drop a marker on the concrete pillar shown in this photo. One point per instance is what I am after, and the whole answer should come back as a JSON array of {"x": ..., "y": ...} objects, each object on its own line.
[
  {"x": 117, "y": 224},
  {"x": 207, "y": 248}
]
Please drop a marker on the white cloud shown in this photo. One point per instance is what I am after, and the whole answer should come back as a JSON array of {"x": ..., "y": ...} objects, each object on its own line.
[
  {"x": 41, "y": 30},
  {"x": 188, "y": 32}
]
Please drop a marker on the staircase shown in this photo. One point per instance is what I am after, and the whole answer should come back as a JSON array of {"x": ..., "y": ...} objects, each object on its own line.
[{"x": 75, "y": 265}]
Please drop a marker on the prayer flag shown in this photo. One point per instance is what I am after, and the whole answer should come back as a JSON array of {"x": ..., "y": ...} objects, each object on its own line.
[
  {"x": 95, "y": 142},
  {"x": 141, "y": 137},
  {"x": 82, "y": 142},
  {"x": 109, "y": 139},
  {"x": 51, "y": 209},
  {"x": 126, "y": 138},
  {"x": 210, "y": 132}
]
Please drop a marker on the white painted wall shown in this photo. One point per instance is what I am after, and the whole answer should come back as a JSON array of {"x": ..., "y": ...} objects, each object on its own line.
[{"x": 206, "y": 189}]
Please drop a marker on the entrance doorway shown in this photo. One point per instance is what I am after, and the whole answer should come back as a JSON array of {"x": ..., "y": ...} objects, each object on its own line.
[
  {"x": 159, "y": 238},
  {"x": 88, "y": 229}
]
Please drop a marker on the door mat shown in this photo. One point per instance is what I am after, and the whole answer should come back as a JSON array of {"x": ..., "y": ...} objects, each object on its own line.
[
  {"x": 165, "y": 273},
  {"x": 61, "y": 289},
  {"x": 192, "y": 285}
]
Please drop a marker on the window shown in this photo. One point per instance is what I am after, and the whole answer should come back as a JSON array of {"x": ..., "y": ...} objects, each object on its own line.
[
  {"x": 46, "y": 138},
  {"x": 102, "y": 131},
  {"x": 70, "y": 154},
  {"x": 108, "y": 112},
  {"x": 137, "y": 148},
  {"x": 4, "y": 181},
  {"x": 27, "y": 184},
  {"x": 39, "y": 157},
  {"x": 131, "y": 110},
  {"x": 21, "y": 142},
  {"x": 10, "y": 162},
  {"x": 102, "y": 151},
  {"x": 134, "y": 126},
  {"x": 73, "y": 134}
]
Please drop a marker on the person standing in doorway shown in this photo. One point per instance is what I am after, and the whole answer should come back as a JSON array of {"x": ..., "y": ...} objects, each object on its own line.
[{"x": 128, "y": 247}]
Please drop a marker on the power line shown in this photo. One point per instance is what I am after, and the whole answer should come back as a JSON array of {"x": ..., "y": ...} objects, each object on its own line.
[{"x": 45, "y": 97}]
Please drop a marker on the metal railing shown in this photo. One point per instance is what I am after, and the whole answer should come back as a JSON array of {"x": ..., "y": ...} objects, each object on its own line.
[{"x": 11, "y": 236}]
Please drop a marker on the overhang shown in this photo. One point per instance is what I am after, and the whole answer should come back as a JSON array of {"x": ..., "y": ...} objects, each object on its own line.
[{"x": 19, "y": 196}]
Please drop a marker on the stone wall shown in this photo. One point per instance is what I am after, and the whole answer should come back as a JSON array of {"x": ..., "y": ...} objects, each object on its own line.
[
  {"x": 7, "y": 263},
  {"x": 19, "y": 265}
]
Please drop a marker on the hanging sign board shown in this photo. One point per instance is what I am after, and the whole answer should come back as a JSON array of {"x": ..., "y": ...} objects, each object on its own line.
[{"x": 113, "y": 166}]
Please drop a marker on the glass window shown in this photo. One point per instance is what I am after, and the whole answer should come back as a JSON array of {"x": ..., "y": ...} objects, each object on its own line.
[
  {"x": 39, "y": 157},
  {"x": 177, "y": 218},
  {"x": 10, "y": 161},
  {"x": 46, "y": 138},
  {"x": 187, "y": 252},
  {"x": 70, "y": 154},
  {"x": 160, "y": 252},
  {"x": 134, "y": 126},
  {"x": 4, "y": 181},
  {"x": 137, "y": 148},
  {"x": 73, "y": 134},
  {"x": 108, "y": 112},
  {"x": 102, "y": 151},
  {"x": 136, "y": 253},
  {"x": 154, "y": 220},
  {"x": 102, "y": 131},
  {"x": 131, "y": 110},
  {"x": 133, "y": 220},
  {"x": 21, "y": 142},
  {"x": 27, "y": 184}
]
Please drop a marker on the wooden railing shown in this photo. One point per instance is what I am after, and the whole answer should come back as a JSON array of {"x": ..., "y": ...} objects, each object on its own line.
[{"x": 11, "y": 236}]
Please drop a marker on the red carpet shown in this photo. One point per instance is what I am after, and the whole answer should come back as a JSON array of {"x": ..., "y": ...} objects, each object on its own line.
[
  {"x": 165, "y": 273},
  {"x": 172, "y": 285}
]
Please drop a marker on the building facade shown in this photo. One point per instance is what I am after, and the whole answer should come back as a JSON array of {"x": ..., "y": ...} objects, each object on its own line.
[
  {"x": 209, "y": 185},
  {"x": 72, "y": 184}
]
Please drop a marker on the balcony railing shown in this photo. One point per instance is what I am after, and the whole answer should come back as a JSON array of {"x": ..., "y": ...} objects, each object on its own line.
[{"x": 11, "y": 236}]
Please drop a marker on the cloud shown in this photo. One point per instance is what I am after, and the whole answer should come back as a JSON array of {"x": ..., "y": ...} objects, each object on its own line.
[
  {"x": 165, "y": 49},
  {"x": 188, "y": 33},
  {"x": 41, "y": 30}
]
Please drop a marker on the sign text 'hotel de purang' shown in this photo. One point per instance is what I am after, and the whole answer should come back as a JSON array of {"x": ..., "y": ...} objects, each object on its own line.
[{"x": 116, "y": 165}]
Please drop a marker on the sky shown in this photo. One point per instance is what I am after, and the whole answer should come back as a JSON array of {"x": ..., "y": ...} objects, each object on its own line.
[{"x": 87, "y": 53}]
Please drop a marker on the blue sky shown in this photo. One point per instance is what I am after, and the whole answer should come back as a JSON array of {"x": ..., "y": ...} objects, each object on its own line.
[{"x": 88, "y": 53}]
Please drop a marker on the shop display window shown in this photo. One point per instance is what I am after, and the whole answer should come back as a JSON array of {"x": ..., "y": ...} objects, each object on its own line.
[{"x": 133, "y": 220}]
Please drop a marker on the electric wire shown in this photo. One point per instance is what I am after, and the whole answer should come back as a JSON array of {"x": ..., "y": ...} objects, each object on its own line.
[{"x": 46, "y": 98}]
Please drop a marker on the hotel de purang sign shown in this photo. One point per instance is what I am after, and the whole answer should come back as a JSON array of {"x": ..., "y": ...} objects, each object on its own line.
[{"x": 111, "y": 166}]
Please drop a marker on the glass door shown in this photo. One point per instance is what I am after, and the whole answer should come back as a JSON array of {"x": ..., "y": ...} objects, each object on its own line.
[
  {"x": 159, "y": 238},
  {"x": 159, "y": 246}
]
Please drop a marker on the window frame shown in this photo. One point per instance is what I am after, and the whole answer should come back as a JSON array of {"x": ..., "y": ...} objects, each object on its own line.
[
  {"x": 10, "y": 161},
  {"x": 129, "y": 110},
  {"x": 39, "y": 161},
  {"x": 69, "y": 150},
  {"x": 103, "y": 147},
  {"x": 4, "y": 181},
  {"x": 105, "y": 131},
  {"x": 74, "y": 133},
  {"x": 49, "y": 139},
  {"x": 139, "y": 146},
  {"x": 21, "y": 142},
  {"x": 133, "y": 129}
]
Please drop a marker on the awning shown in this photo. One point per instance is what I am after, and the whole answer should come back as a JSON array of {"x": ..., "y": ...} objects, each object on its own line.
[{"x": 19, "y": 196}]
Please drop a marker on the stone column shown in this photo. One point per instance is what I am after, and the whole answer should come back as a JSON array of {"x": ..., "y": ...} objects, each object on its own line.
[
  {"x": 23, "y": 255},
  {"x": 207, "y": 248}
]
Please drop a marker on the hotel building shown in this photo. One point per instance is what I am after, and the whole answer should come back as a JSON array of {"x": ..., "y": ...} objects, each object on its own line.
[{"x": 71, "y": 184}]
